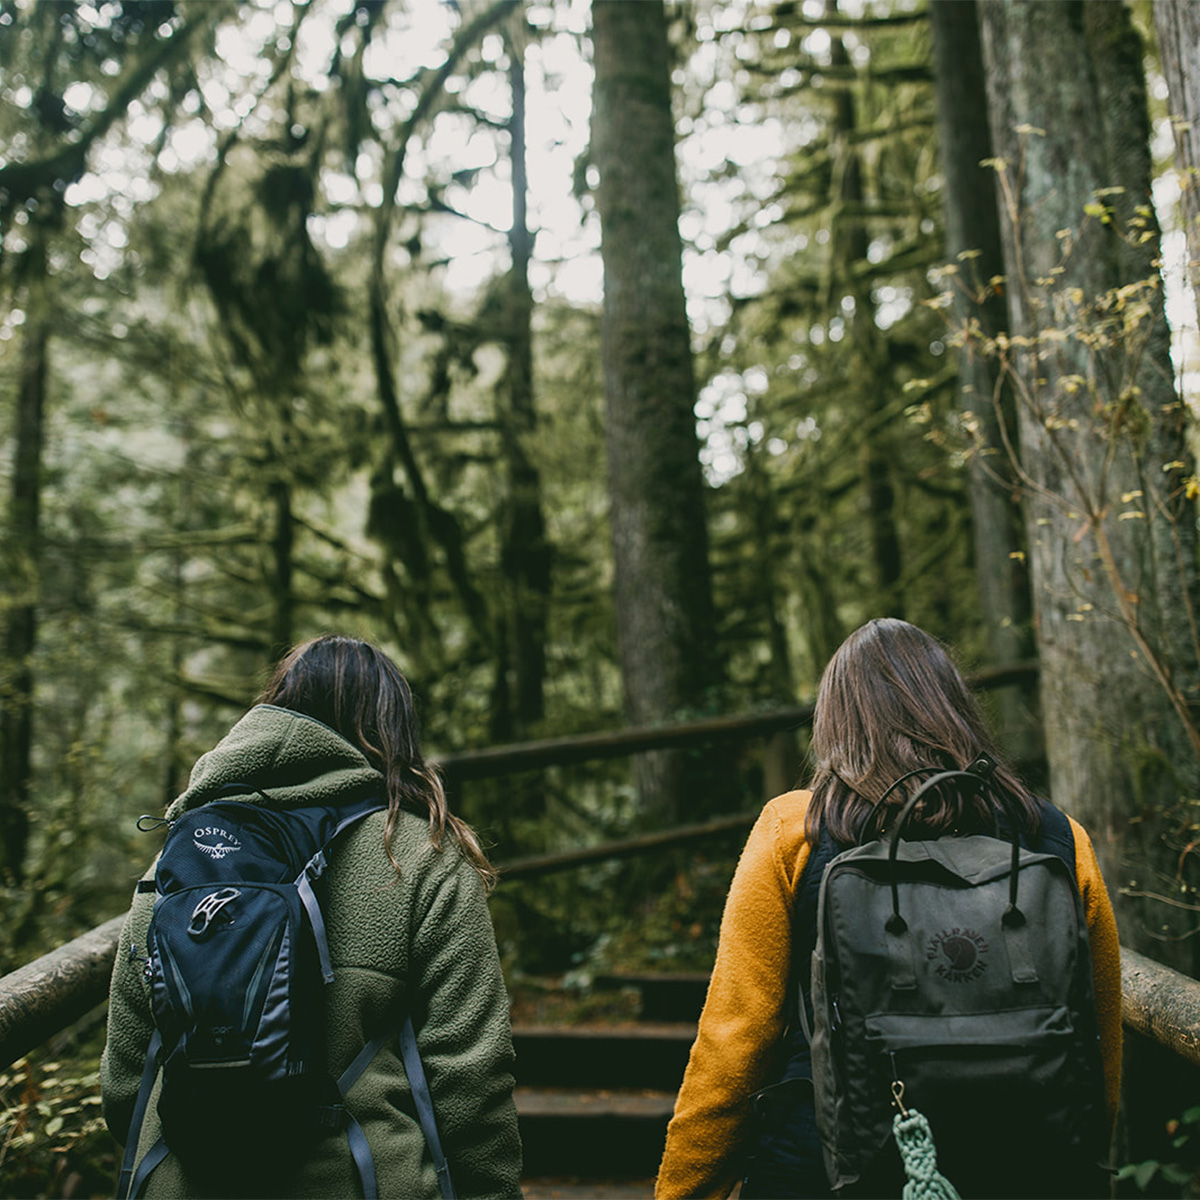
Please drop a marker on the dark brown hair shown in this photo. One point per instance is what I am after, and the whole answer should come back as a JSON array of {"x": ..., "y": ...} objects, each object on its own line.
[
  {"x": 890, "y": 701},
  {"x": 355, "y": 689}
]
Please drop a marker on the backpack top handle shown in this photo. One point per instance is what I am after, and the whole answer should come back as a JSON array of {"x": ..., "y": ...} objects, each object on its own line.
[
  {"x": 978, "y": 773},
  {"x": 981, "y": 768}
]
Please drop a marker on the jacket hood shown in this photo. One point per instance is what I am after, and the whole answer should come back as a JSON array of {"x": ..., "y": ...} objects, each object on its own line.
[{"x": 294, "y": 759}]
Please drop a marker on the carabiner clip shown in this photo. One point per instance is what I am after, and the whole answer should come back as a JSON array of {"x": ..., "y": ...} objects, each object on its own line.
[{"x": 897, "y": 1087}]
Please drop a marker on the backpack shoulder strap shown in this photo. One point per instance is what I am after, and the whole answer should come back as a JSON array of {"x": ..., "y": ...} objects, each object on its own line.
[
  {"x": 315, "y": 868},
  {"x": 1055, "y": 835},
  {"x": 804, "y": 924}
]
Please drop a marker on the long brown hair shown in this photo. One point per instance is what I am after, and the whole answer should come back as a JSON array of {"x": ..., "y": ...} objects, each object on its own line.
[
  {"x": 890, "y": 701},
  {"x": 357, "y": 690}
]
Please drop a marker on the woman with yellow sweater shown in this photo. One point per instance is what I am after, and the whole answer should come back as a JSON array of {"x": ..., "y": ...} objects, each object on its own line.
[{"x": 890, "y": 701}]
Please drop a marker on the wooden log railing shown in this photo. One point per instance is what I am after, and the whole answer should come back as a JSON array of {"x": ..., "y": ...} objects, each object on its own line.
[
  {"x": 1161, "y": 1004},
  {"x": 39, "y": 1000}
]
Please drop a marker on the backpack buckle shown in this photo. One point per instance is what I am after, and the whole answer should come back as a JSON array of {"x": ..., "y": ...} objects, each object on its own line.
[
  {"x": 207, "y": 911},
  {"x": 331, "y": 1116}
]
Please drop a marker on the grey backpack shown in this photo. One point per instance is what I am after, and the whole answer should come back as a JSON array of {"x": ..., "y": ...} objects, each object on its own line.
[{"x": 953, "y": 976}]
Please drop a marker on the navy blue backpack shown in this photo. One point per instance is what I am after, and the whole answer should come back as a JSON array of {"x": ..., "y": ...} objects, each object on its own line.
[{"x": 236, "y": 960}]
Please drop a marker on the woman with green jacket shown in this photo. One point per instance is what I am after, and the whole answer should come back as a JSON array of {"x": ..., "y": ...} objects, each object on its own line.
[{"x": 409, "y": 935}]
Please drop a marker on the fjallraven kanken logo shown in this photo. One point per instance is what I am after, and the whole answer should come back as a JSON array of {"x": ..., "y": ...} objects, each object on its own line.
[
  {"x": 956, "y": 972},
  {"x": 958, "y": 955}
]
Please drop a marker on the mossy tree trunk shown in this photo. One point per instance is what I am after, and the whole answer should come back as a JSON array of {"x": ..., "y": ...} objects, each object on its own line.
[
  {"x": 870, "y": 352},
  {"x": 665, "y": 624},
  {"x": 525, "y": 556},
  {"x": 1110, "y": 526},
  {"x": 21, "y": 562},
  {"x": 1177, "y": 23},
  {"x": 974, "y": 252}
]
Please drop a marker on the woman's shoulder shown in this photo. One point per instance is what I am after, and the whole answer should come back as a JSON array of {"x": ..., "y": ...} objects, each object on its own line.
[
  {"x": 789, "y": 807},
  {"x": 783, "y": 819}
]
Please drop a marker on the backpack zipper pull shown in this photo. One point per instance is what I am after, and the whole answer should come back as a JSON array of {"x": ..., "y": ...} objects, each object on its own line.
[{"x": 897, "y": 1087}]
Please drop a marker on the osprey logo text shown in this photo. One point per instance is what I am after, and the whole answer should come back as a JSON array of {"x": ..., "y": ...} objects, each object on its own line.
[
  {"x": 959, "y": 955},
  {"x": 215, "y": 842}
]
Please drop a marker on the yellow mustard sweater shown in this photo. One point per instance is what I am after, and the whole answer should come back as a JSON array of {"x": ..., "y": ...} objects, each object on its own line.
[{"x": 744, "y": 1013}]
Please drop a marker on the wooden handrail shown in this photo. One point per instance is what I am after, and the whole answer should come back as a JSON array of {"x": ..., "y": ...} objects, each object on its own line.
[
  {"x": 619, "y": 743},
  {"x": 44, "y": 997},
  {"x": 546, "y": 864},
  {"x": 1161, "y": 1004}
]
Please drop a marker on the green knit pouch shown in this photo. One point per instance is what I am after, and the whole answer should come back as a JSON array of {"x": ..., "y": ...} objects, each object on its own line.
[{"x": 925, "y": 1181}]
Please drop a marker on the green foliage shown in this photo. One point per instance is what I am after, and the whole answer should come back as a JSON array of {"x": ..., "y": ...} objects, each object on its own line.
[
  {"x": 1178, "y": 1177},
  {"x": 53, "y": 1139},
  {"x": 224, "y": 469},
  {"x": 828, "y": 393}
]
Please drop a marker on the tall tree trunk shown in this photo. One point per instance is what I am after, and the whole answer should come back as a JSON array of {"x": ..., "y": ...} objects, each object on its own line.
[
  {"x": 781, "y": 758},
  {"x": 283, "y": 602},
  {"x": 1112, "y": 537},
  {"x": 22, "y": 568},
  {"x": 849, "y": 246},
  {"x": 973, "y": 229},
  {"x": 665, "y": 624},
  {"x": 1177, "y": 23},
  {"x": 525, "y": 553}
]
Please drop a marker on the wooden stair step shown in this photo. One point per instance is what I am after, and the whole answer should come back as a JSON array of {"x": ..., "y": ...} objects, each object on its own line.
[
  {"x": 597, "y": 1133},
  {"x": 614, "y": 1102},
  {"x": 603, "y": 1056},
  {"x": 666, "y": 995}
]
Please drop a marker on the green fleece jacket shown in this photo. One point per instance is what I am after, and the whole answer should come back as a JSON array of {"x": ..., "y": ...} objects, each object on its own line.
[{"x": 419, "y": 941}]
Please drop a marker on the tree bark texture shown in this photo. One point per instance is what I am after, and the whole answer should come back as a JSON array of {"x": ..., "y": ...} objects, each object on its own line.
[
  {"x": 974, "y": 249},
  {"x": 1177, "y": 23},
  {"x": 525, "y": 552},
  {"x": 1112, "y": 539},
  {"x": 850, "y": 244},
  {"x": 22, "y": 569},
  {"x": 665, "y": 624}
]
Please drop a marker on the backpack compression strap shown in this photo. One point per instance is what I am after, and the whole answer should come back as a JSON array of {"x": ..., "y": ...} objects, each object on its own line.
[
  {"x": 420, "y": 1091},
  {"x": 419, "y": 1086},
  {"x": 149, "y": 1071},
  {"x": 130, "y": 1184}
]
